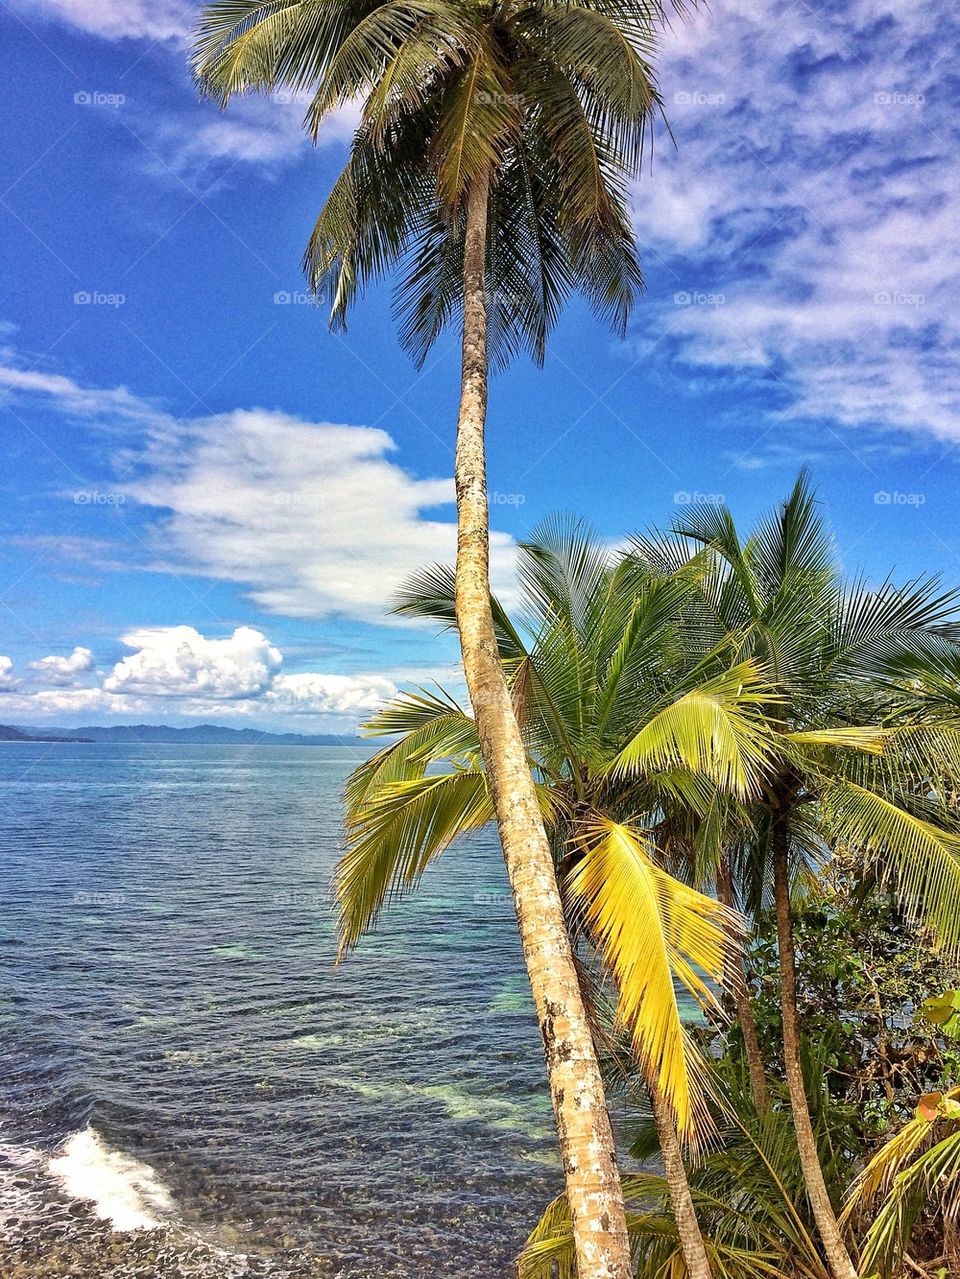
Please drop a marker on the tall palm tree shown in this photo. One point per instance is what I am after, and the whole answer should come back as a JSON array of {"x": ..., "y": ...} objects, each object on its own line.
[
  {"x": 491, "y": 165},
  {"x": 633, "y": 733},
  {"x": 859, "y": 742}
]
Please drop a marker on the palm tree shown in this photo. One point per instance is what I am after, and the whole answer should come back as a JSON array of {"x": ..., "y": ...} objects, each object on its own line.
[
  {"x": 491, "y": 166},
  {"x": 633, "y": 733},
  {"x": 917, "y": 1170},
  {"x": 747, "y": 1187},
  {"x": 860, "y": 744}
]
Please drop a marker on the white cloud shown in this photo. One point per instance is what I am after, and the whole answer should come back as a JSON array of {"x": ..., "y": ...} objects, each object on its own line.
[
  {"x": 329, "y": 694},
  {"x": 176, "y": 661},
  {"x": 183, "y": 138},
  {"x": 70, "y": 397},
  {"x": 117, "y": 19},
  {"x": 815, "y": 187},
  {"x": 198, "y": 143},
  {"x": 64, "y": 670},
  {"x": 176, "y": 672},
  {"x": 314, "y": 518}
]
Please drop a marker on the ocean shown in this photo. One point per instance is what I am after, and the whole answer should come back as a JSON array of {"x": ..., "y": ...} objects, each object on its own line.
[{"x": 188, "y": 1084}]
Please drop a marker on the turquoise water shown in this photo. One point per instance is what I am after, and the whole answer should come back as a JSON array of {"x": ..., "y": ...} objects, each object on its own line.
[{"x": 175, "y": 1035}]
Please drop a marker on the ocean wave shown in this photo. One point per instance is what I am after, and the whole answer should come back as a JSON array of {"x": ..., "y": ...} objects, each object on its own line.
[{"x": 119, "y": 1188}]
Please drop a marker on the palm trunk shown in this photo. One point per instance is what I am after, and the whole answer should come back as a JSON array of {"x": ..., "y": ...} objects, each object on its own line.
[
  {"x": 583, "y": 1122},
  {"x": 741, "y": 995},
  {"x": 838, "y": 1258},
  {"x": 695, "y": 1260}
]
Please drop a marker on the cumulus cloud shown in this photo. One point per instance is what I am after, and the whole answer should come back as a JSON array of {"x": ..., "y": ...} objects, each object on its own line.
[
  {"x": 314, "y": 517},
  {"x": 174, "y": 661},
  {"x": 177, "y": 671},
  {"x": 64, "y": 670},
  {"x": 815, "y": 190},
  {"x": 331, "y": 694}
]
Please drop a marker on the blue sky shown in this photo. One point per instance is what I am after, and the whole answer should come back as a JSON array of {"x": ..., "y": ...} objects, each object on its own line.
[{"x": 208, "y": 498}]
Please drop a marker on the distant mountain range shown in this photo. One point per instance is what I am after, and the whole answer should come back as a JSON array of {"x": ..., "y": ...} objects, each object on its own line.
[
  {"x": 161, "y": 734},
  {"x": 10, "y": 734}
]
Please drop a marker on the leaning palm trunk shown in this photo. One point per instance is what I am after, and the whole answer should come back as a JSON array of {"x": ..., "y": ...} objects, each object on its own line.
[
  {"x": 838, "y": 1258},
  {"x": 583, "y": 1122},
  {"x": 692, "y": 1248}
]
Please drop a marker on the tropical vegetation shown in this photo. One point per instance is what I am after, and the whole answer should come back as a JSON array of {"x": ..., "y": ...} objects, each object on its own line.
[{"x": 709, "y": 719}]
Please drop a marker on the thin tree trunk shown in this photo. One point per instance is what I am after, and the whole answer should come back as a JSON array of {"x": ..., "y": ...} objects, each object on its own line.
[
  {"x": 583, "y": 1122},
  {"x": 741, "y": 995},
  {"x": 692, "y": 1247},
  {"x": 838, "y": 1258}
]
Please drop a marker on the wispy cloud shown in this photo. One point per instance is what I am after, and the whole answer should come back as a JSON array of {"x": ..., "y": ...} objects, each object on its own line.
[
  {"x": 808, "y": 218},
  {"x": 314, "y": 519},
  {"x": 154, "y": 20}
]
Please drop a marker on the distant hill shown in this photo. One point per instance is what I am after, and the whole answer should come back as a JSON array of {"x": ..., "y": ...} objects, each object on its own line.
[
  {"x": 205, "y": 735},
  {"x": 10, "y": 734}
]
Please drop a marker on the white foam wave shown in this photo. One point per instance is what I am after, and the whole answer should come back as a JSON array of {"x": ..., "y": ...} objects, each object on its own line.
[
  {"x": 121, "y": 1189},
  {"x": 15, "y": 1201}
]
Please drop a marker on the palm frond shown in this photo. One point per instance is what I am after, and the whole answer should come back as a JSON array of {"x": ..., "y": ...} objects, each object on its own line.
[
  {"x": 652, "y": 931},
  {"x": 716, "y": 729}
]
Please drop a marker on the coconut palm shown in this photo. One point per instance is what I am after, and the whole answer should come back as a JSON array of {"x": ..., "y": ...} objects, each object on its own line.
[
  {"x": 632, "y": 733},
  {"x": 862, "y": 736},
  {"x": 747, "y": 1186},
  {"x": 917, "y": 1170},
  {"x": 491, "y": 168}
]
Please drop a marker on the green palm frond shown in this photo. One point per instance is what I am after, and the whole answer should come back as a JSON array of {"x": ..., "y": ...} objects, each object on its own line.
[
  {"x": 393, "y": 836},
  {"x": 431, "y": 727},
  {"x": 553, "y": 103},
  {"x": 716, "y": 729},
  {"x": 918, "y": 857}
]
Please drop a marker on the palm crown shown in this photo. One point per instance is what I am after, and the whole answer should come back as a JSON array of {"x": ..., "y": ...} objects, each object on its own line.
[
  {"x": 863, "y": 710},
  {"x": 661, "y": 710},
  {"x": 549, "y": 101}
]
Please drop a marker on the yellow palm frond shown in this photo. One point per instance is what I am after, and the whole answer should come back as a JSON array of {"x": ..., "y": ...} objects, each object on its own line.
[
  {"x": 869, "y": 739},
  {"x": 716, "y": 729},
  {"x": 652, "y": 931}
]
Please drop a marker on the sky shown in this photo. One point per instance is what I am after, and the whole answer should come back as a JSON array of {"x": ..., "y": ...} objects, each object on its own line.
[{"x": 208, "y": 499}]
